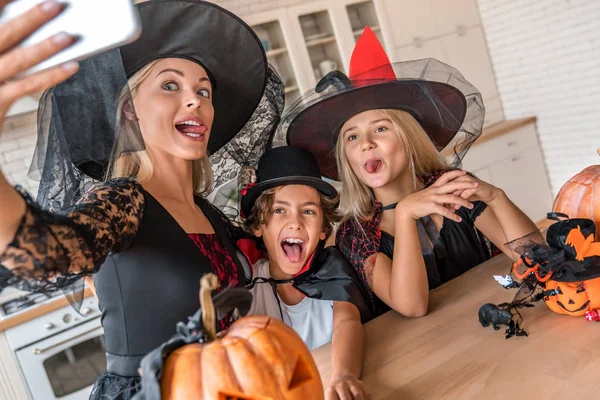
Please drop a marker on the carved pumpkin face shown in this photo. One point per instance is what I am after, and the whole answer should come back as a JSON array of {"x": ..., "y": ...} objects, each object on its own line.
[
  {"x": 574, "y": 298},
  {"x": 258, "y": 358},
  {"x": 580, "y": 196}
]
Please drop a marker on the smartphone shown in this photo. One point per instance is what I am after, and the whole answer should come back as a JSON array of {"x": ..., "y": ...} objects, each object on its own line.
[{"x": 100, "y": 25}]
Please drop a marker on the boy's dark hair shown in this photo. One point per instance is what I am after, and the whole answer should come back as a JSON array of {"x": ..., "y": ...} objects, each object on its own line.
[{"x": 260, "y": 211}]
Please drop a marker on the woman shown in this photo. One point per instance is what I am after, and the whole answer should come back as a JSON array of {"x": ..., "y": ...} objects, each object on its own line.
[
  {"x": 145, "y": 233},
  {"x": 411, "y": 222}
]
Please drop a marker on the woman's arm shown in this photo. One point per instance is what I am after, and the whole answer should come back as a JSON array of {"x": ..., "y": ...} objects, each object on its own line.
[
  {"x": 346, "y": 354},
  {"x": 72, "y": 243},
  {"x": 14, "y": 60}
]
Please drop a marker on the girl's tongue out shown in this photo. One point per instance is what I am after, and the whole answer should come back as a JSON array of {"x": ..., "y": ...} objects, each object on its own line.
[
  {"x": 292, "y": 251},
  {"x": 372, "y": 166}
]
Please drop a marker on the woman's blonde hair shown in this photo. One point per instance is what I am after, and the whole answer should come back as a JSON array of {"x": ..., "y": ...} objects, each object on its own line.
[
  {"x": 356, "y": 197},
  {"x": 138, "y": 164}
]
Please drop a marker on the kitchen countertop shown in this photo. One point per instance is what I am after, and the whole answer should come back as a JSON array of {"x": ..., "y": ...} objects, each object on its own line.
[
  {"x": 36, "y": 311},
  {"x": 447, "y": 354}
]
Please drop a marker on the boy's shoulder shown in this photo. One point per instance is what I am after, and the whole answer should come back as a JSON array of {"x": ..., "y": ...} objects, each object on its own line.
[{"x": 261, "y": 268}]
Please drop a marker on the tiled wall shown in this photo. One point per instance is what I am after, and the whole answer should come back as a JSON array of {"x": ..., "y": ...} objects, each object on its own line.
[
  {"x": 546, "y": 56},
  {"x": 17, "y": 144}
]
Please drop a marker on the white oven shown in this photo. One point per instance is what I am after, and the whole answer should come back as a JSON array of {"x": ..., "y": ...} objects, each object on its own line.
[{"x": 61, "y": 354}]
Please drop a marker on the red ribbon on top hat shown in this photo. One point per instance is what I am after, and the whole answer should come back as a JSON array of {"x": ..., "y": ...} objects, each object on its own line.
[{"x": 244, "y": 191}]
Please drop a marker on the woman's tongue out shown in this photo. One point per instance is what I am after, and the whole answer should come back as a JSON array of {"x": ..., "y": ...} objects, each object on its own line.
[
  {"x": 292, "y": 251},
  {"x": 373, "y": 165}
]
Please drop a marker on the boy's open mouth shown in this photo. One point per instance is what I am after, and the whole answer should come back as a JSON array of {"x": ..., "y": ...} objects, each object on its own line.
[{"x": 292, "y": 248}]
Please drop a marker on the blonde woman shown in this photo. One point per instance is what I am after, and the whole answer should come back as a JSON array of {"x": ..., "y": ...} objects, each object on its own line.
[
  {"x": 146, "y": 233},
  {"x": 411, "y": 221}
]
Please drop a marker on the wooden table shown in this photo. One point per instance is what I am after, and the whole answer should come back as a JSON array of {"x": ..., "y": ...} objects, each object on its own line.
[{"x": 449, "y": 355}]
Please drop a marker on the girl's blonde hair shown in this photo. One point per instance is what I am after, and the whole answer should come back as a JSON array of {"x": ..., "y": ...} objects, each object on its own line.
[
  {"x": 356, "y": 197},
  {"x": 138, "y": 164}
]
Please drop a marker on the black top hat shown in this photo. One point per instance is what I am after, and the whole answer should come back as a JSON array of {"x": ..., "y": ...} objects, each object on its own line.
[{"x": 285, "y": 165}]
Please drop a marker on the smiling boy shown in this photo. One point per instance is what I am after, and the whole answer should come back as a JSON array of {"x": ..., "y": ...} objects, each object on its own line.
[{"x": 293, "y": 210}]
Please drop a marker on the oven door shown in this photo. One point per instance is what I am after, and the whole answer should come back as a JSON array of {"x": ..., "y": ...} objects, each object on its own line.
[{"x": 65, "y": 366}]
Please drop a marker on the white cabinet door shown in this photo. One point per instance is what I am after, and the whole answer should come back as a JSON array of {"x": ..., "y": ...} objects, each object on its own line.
[
  {"x": 483, "y": 174},
  {"x": 409, "y": 19},
  {"x": 424, "y": 49},
  {"x": 467, "y": 51},
  {"x": 524, "y": 179},
  {"x": 450, "y": 15}
]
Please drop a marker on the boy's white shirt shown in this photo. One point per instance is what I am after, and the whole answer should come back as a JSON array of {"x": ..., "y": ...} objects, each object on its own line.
[{"x": 311, "y": 319}]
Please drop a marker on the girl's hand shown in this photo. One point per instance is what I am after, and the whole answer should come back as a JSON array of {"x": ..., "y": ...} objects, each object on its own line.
[
  {"x": 14, "y": 60},
  {"x": 484, "y": 191},
  {"x": 439, "y": 198},
  {"x": 347, "y": 387}
]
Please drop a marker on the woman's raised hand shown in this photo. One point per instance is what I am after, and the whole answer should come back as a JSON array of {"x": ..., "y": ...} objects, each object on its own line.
[
  {"x": 15, "y": 60},
  {"x": 439, "y": 198}
]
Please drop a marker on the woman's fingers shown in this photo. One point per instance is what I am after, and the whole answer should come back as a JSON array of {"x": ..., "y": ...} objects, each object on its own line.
[
  {"x": 23, "y": 58},
  {"x": 16, "y": 30},
  {"x": 11, "y": 91},
  {"x": 448, "y": 176}
]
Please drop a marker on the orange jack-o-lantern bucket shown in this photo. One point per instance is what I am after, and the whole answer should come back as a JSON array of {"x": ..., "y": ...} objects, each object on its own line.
[{"x": 567, "y": 266}]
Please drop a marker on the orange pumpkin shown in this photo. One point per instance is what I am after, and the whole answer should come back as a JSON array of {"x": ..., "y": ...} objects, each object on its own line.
[
  {"x": 580, "y": 196},
  {"x": 574, "y": 298},
  {"x": 258, "y": 358}
]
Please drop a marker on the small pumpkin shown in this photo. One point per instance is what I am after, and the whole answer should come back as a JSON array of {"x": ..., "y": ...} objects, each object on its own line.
[
  {"x": 580, "y": 196},
  {"x": 258, "y": 358},
  {"x": 574, "y": 298}
]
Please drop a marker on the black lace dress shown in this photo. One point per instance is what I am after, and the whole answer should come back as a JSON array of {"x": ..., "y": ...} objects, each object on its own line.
[{"x": 146, "y": 268}]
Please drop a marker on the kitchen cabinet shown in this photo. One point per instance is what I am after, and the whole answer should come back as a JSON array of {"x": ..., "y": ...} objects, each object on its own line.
[{"x": 513, "y": 161}]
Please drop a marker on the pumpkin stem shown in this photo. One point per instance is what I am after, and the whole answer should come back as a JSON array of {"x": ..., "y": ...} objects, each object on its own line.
[{"x": 208, "y": 283}]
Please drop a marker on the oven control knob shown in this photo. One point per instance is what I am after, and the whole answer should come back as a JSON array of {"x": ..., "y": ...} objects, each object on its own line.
[
  {"x": 86, "y": 311},
  {"x": 67, "y": 318},
  {"x": 49, "y": 325}
]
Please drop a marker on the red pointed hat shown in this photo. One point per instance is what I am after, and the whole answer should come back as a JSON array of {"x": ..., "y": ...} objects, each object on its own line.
[{"x": 436, "y": 94}]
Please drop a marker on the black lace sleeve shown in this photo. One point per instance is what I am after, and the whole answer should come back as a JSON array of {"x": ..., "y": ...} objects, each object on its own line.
[{"x": 50, "y": 251}]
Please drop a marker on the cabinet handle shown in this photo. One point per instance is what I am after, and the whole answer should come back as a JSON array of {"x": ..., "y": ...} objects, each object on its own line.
[
  {"x": 515, "y": 158},
  {"x": 418, "y": 41},
  {"x": 461, "y": 30},
  {"x": 512, "y": 143}
]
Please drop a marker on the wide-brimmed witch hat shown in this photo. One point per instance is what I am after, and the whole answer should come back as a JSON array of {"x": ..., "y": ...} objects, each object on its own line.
[
  {"x": 284, "y": 165},
  {"x": 434, "y": 93},
  {"x": 79, "y": 121}
]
